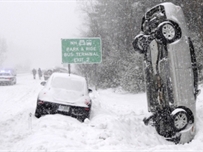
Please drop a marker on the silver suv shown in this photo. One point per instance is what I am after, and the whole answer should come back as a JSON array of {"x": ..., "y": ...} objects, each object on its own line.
[{"x": 170, "y": 72}]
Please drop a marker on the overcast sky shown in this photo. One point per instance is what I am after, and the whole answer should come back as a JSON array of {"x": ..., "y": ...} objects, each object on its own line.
[{"x": 34, "y": 29}]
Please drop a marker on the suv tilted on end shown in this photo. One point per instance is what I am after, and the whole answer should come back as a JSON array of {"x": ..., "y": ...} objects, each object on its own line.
[{"x": 170, "y": 72}]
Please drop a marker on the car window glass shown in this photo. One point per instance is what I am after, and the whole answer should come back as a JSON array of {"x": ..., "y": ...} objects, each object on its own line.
[
  {"x": 5, "y": 74},
  {"x": 68, "y": 84}
]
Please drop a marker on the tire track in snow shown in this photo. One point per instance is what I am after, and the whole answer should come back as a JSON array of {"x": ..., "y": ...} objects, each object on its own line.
[{"x": 17, "y": 102}]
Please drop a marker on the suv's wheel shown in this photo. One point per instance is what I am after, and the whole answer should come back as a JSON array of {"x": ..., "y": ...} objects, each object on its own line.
[
  {"x": 168, "y": 32},
  {"x": 179, "y": 119},
  {"x": 140, "y": 43}
]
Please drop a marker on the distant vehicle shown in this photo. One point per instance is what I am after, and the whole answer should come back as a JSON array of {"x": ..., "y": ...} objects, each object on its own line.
[
  {"x": 47, "y": 74},
  {"x": 170, "y": 72},
  {"x": 64, "y": 94},
  {"x": 7, "y": 76},
  {"x": 60, "y": 69}
]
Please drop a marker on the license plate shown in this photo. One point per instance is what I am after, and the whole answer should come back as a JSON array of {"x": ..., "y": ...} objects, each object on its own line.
[{"x": 63, "y": 108}]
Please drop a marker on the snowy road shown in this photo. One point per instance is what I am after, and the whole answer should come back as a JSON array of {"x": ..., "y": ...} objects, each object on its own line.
[{"x": 115, "y": 124}]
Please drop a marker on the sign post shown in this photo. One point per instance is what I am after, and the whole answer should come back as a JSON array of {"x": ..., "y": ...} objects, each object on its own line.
[{"x": 81, "y": 51}]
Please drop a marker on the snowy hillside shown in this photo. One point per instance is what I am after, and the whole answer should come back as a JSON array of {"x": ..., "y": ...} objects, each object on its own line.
[{"x": 115, "y": 123}]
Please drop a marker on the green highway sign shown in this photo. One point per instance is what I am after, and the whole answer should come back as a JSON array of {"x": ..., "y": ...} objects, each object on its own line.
[{"x": 81, "y": 50}]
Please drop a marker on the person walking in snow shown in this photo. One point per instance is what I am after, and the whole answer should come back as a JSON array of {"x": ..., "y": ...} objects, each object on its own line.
[
  {"x": 34, "y": 73},
  {"x": 40, "y": 73}
]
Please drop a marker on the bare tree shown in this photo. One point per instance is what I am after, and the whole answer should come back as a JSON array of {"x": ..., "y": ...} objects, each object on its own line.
[{"x": 3, "y": 50}]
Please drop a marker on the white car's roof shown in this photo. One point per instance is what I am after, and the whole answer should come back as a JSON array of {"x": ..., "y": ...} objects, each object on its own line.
[{"x": 66, "y": 75}]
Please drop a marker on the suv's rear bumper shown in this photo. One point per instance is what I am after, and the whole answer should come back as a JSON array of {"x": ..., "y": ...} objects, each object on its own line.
[{"x": 184, "y": 136}]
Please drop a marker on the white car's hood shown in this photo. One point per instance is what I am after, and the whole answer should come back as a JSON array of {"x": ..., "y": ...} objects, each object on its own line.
[{"x": 64, "y": 97}]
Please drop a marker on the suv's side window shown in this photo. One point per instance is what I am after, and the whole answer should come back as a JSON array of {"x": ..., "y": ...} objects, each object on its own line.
[{"x": 194, "y": 64}]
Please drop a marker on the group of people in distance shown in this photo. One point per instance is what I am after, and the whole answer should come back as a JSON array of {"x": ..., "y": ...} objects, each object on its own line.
[{"x": 34, "y": 72}]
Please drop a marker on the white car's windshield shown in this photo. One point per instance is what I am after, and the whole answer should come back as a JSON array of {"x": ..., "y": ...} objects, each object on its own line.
[{"x": 68, "y": 84}]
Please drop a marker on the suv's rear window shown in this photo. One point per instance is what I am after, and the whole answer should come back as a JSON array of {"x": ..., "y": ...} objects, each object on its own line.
[{"x": 156, "y": 10}]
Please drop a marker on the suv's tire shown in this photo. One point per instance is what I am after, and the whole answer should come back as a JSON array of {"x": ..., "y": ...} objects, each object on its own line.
[
  {"x": 140, "y": 43},
  {"x": 190, "y": 115},
  {"x": 168, "y": 32},
  {"x": 179, "y": 119}
]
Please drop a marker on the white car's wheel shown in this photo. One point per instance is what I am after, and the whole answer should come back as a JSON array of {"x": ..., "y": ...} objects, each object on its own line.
[{"x": 180, "y": 119}]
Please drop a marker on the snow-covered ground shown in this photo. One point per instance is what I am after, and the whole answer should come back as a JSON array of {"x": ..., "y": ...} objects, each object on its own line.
[{"x": 115, "y": 123}]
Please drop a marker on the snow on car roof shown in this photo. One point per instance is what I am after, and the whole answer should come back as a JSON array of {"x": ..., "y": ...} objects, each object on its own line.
[
  {"x": 66, "y": 75},
  {"x": 68, "y": 81}
]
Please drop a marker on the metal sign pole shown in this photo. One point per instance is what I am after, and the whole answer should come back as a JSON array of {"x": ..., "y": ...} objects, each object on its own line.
[
  {"x": 69, "y": 69},
  {"x": 95, "y": 70}
]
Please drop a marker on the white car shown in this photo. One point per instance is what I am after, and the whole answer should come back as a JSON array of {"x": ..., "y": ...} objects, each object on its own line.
[
  {"x": 64, "y": 94},
  {"x": 170, "y": 72},
  {"x": 7, "y": 77}
]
